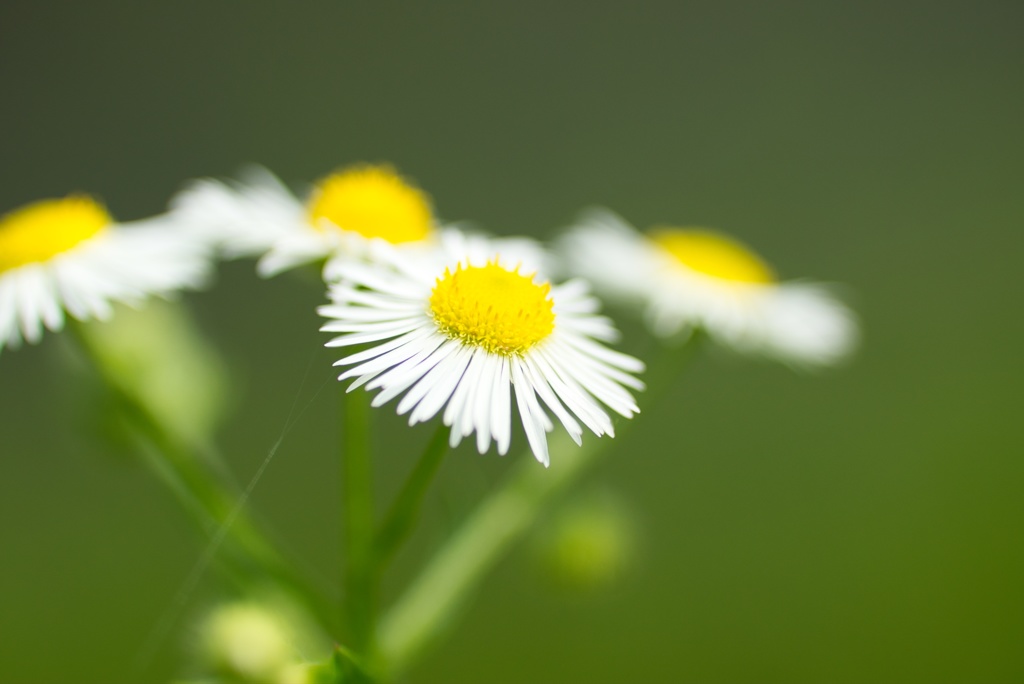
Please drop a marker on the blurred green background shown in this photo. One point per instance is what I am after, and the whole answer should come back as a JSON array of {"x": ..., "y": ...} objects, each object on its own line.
[{"x": 859, "y": 525}]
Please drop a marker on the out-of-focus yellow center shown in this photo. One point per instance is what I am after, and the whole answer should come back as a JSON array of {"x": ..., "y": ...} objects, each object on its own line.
[
  {"x": 502, "y": 311},
  {"x": 373, "y": 201},
  {"x": 40, "y": 231},
  {"x": 713, "y": 254}
]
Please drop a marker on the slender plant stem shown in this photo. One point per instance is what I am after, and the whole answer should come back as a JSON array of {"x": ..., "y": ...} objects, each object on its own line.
[
  {"x": 213, "y": 503},
  {"x": 357, "y": 520},
  {"x": 473, "y": 550},
  {"x": 405, "y": 511},
  {"x": 498, "y": 522}
]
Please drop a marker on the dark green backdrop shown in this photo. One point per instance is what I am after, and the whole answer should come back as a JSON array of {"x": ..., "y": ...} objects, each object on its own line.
[{"x": 861, "y": 525}]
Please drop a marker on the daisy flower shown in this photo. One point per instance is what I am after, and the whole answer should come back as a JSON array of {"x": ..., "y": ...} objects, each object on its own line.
[
  {"x": 457, "y": 333},
  {"x": 69, "y": 255},
  {"x": 690, "y": 278},
  {"x": 260, "y": 217}
]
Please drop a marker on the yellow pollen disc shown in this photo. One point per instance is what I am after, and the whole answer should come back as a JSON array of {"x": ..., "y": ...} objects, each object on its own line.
[
  {"x": 502, "y": 311},
  {"x": 40, "y": 231},
  {"x": 373, "y": 201},
  {"x": 713, "y": 254}
]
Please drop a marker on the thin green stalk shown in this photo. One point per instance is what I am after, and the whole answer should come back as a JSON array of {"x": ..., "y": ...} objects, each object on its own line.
[
  {"x": 404, "y": 512},
  {"x": 216, "y": 506},
  {"x": 357, "y": 520},
  {"x": 498, "y": 522},
  {"x": 460, "y": 565}
]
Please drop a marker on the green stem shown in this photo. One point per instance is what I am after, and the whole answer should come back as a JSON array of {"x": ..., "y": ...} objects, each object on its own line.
[
  {"x": 357, "y": 520},
  {"x": 216, "y": 506},
  {"x": 404, "y": 512},
  {"x": 498, "y": 522},
  {"x": 474, "y": 549}
]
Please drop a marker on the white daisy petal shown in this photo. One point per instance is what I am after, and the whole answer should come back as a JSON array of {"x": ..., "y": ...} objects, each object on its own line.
[
  {"x": 574, "y": 296},
  {"x": 362, "y": 326},
  {"x": 441, "y": 391},
  {"x": 290, "y": 251},
  {"x": 541, "y": 386},
  {"x": 370, "y": 277},
  {"x": 501, "y": 407},
  {"x": 32, "y": 289},
  {"x": 484, "y": 396},
  {"x": 350, "y": 295},
  {"x": 535, "y": 422},
  {"x": 476, "y": 377},
  {"x": 243, "y": 219},
  {"x": 417, "y": 349},
  {"x": 805, "y": 321},
  {"x": 373, "y": 336},
  {"x": 362, "y": 314},
  {"x": 50, "y": 311},
  {"x": 602, "y": 367},
  {"x": 9, "y": 334},
  {"x": 453, "y": 415},
  {"x": 596, "y": 327},
  {"x": 604, "y": 390},
  {"x": 403, "y": 376},
  {"x": 374, "y": 352},
  {"x": 574, "y": 396},
  {"x": 443, "y": 363}
]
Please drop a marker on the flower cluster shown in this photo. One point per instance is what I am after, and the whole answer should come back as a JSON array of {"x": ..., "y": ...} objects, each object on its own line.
[{"x": 463, "y": 326}]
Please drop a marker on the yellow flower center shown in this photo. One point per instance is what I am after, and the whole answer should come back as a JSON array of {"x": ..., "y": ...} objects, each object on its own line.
[
  {"x": 373, "y": 201},
  {"x": 502, "y": 311},
  {"x": 40, "y": 231},
  {"x": 713, "y": 254}
]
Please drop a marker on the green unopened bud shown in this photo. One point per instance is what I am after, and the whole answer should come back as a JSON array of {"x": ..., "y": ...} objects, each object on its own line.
[
  {"x": 589, "y": 543},
  {"x": 298, "y": 673},
  {"x": 159, "y": 357},
  {"x": 248, "y": 642}
]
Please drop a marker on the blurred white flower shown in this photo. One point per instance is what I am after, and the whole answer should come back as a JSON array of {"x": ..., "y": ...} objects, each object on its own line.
[
  {"x": 259, "y": 217},
  {"x": 458, "y": 329},
  {"x": 689, "y": 278},
  {"x": 69, "y": 255}
]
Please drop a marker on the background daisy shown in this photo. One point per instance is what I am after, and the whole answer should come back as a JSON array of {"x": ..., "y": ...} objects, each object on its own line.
[
  {"x": 692, "y": 277},
  {"x": 69, "y": 254},
  {"x": 458, "y": 332},
  {"x": 259, "y": 216}
]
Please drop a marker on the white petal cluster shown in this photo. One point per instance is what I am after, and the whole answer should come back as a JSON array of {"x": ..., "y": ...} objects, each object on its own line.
[{"x": 244, "y": 218}]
